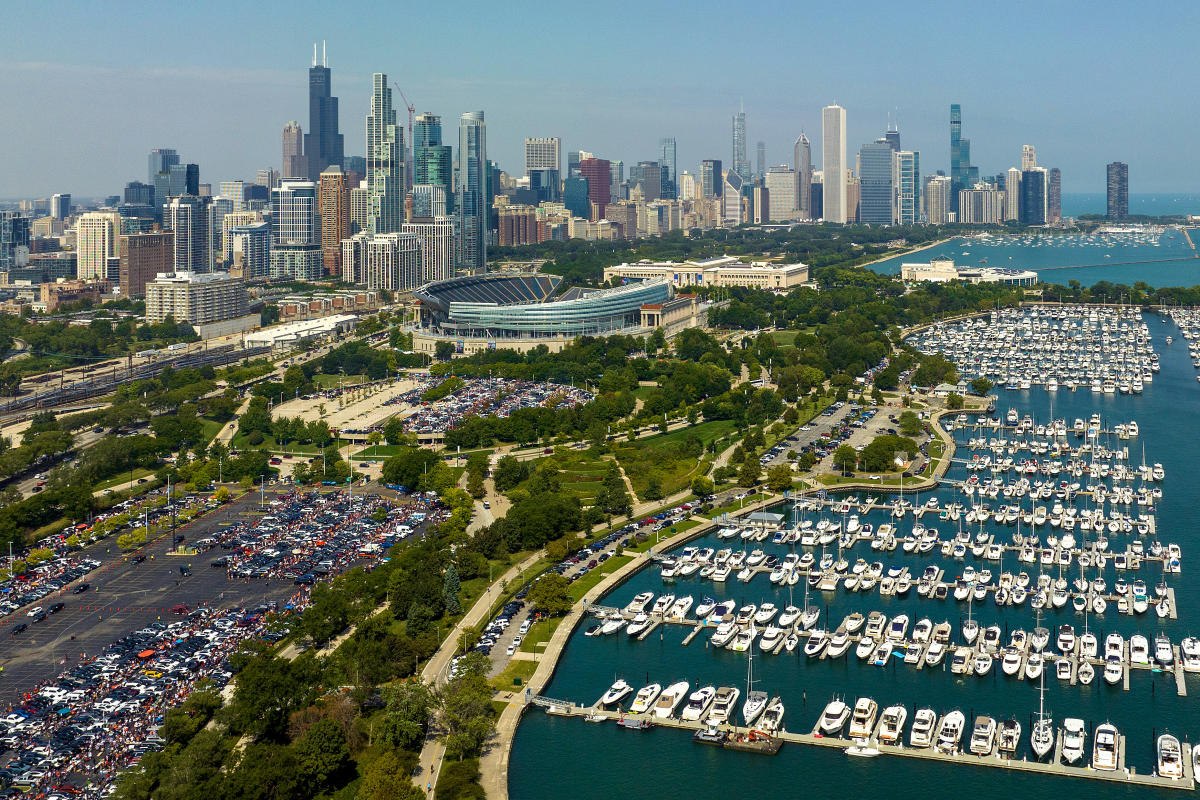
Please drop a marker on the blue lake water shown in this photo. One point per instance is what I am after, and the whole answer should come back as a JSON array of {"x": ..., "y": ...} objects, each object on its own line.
[
  {"x": 1075, "y": 204},
  {"x": 1158, "y": 260},
  {"x": 568, "y": 757}
]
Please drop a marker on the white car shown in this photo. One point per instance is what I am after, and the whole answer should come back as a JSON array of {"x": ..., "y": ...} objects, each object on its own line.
[{"x": 33, "y": 612}]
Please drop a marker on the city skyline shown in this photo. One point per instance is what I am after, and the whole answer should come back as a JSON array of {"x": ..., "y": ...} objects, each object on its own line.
[{"x": 228, "y": 118}]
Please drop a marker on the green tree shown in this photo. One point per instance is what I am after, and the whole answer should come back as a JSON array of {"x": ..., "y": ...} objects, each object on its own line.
[
  {"x": 327, "y": 614},
  {"x": 322, "y": 754},
  {"x": 750, "y": 472},
  {"x": 443, "y": 351},
  {"x": 981, "y": 386},
  {"x": 550, "y": 594},
  {"x": 475, "y": 486},
  {"x": 388, "y": 779},
  {"x": 405, "y": 721},
  {"x": 845, "y": 458},
  {"x": 702, "y": 486},
  {"x": 467, "y": 713},
  {"x": 954, "y": 401},
  {"x": 910, "y": 423},
  {"x": 779, "y": 478},
  {"x": 653, "y": 489},
  {"x": 450, "y": 587}
]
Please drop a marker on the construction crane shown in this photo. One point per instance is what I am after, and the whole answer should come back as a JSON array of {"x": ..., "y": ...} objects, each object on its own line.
[{"x": 410, "y": 146}]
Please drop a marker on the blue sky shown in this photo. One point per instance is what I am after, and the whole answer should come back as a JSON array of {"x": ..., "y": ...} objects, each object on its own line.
[{"x": 90, "y": 88}]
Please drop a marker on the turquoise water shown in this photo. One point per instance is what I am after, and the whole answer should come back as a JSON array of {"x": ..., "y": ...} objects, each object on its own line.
[
  {"x": 1078, "y": 203},
  {"x": 556, "y": 757},
  {"x": 1164, "y": 260}
]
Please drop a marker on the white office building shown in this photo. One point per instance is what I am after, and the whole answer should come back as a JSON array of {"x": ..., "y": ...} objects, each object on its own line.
[
  {"x": 833, "y": 163},
  {"x": 781, "y": 194},
  {"x": 936, "y": 199},
  {"x": 543, "y": 153}
]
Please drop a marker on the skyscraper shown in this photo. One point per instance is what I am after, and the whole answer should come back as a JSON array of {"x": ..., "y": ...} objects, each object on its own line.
[
  {"x": 760, "y": 150},
  {"x": 1118, "y": 190},
  {"x": 543, "y": 153},
  {"x": 323, "y": 145},
  {"x": 294, "y": 164},
  {"x": 236, "y": 192},
  {"x": 1028, "y": 157},
  {"x": 143, "y": 256},
  {"x": 1053, "y": 195},
  {"x": 741, "y": 162},
  {"x": 875, "y": 181},
  {"x": 14, "y": 239},
  {"x": 385, "y": 160},
  {"x": 428, "y": 200},
  {"x": 433, "y": 161},
  {"x": 781, "y": 193},
  {"x": 472, "y": 198},
  {"x": 710, "y": 177},
  {"x": 191, "y": 219},
  {"x": 731, "y": 199},
  {"x": 161, "y": 159},
  {"x": 1033, "y": 196},
  {"x": 906, "y": 187},
  {"x": 666, "y": 160},
  {"x": 833, "y": 164},
  {"x": 892, "y": 137},
  {"x": 802, "y": 163},
  {"x": 60, "y": 206},
  {"x": 296, "y": 231},
  {"x": 1012, "y": 194},
  {"x": 962, "y": 174},
  {"x": 333, "y": 203},
  {"x": 598, "y": 173},
  {"x": 936, "y": 199},
  {"x": 97, "y": 239},
  {"x": 439, "y": 246}
]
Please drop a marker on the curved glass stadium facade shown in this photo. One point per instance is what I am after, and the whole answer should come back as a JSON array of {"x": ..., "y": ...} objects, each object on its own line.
[{"x": 524, "y": 306}]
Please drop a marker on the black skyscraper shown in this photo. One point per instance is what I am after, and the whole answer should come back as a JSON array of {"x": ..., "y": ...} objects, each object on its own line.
[{"x": 322, "y": 143}]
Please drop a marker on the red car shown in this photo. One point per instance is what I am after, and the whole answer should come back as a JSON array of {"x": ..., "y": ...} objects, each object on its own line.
[{"x": 179, "y": 609}]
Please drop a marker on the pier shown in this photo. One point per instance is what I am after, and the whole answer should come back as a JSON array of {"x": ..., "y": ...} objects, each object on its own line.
[{"x": 1122, "y": 774}]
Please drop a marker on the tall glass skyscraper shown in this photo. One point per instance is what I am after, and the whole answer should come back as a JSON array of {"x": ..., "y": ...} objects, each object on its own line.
[
  {"x": 472, "y": 193},
  {"x": 962, "y": 174},
  {"x": 711, "y": 182},
  {"x": 906, "y": 187},
  {"x": 323, "y": 145},
  {"x": 741, "y": 162},
  {"x": 802, "y": 163},
  {"x": 666, "y": 159},
  {"x": 385, "y": 161},
  {"x": 433, "y": 162},
  {"x": 833, "y": 164},
  {"x": 875, "y": 183},
  {"x": 1118, "y": 190}
]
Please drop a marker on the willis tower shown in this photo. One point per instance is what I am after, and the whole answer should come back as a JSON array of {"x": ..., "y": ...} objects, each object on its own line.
[{"x": 322, "y": 143}]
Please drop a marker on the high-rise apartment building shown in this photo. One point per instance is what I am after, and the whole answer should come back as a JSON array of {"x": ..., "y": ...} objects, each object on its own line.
[
  {"x": 385, "y": 160},
  {"x": 60, "y": 206},
  {"x": 294, "y": 164},
  {"x": 802, "y": 164},
  {"x": 250, "y": 250},
  {"x": 473, "y": 192},
  {"x": 195, "y": 298},
  {"x": 962, "y": 174},
  {"x": 652, "y": 178},
  {"x": 360, "y": 197},
  {"x": 981, "y": 205},
  {"x": 598, "y": 174},
  {"x": 1012, "y": 195},
  {"x": 875, "y": 183},
  {"x": 143, "y": 256},
  {"x": 138, "y": 193},
  {"x": 439, "y": 246},
  {"x": 1033, "y": 196},
  {"x": 428, "y": 201},
  {"x": 333, "y": 203},
  {"x": 936, "y": 199},
  {"x": 235, "y": 191},
  {"x": 323, "y": 145},
  {"x": 161, "y": 159},
  {"x": 97, "y": 239},
  {"x": 906, "y": 187},
  {"x": 1053, "y": 195},
  {"x": 711, "y": 180},
  {"x": 760, "y": 150},
  {"x": 191, "y": 218},
  {"x": 833, "y": 164},
  {"x": 14, "y": 240},
  {"x": 781, "y": 191},
  {"x": 433, "y": 161},
  {"x": 1028, "y": 157},
  {"x": 390, "y": 261},
  {"x": 687, "y": 186},
  {"x": 669, "y": 163},
  {"x": 741, "y": 161},
  {"x": 296, "y": 231},
  {"x": 1118, "y": 190}
]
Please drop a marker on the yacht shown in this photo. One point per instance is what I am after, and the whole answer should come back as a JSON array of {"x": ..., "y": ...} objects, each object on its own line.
[
  {"x": 1164, "y": 654},
  {"x": 950, "y": 732},
  {"x": 923, "y": 725},
  {"x": 671, "y": 697},
  {"x": 616, "y": 693},
  {"x": 833, "y": 719},
  {"x": 1189, "y": 654},
  {"x": 698, "y": 703},
  {"x": 816, "y": 644},
  {"x": 891, "y": 724},
  {"x": 1139, "y": 650},
  {"x": 865, "y": 647},
  {"x": 982, "y": 664},
  {"x": 639, "y": 603},
  {"x": 756, "y": 703},
  {"x": 1041, "y": 739},
  {"x": 724, "y": 634},
  {"x": 1114, "y": 671},
  {"x": 639, "y": 624},
  {"x": 853, "y": 622},
  {"x": 723, "y": 705},
  {"x": 898, "y": 628},
  {"x": 1011, "y": 662},
  {"x": 644, "y": 700},
  {"x": 935, "y": 654},
  {"x": 788, "y": 617},
  {"x": 1104, "y": 753},
  {"x": 1170, "y": 757},
  {"x": 771, "y": 639},
  {"x": 772, "y": 718},
  {"x": 862, "y": 721},
  {"x": 1074, "y": 736},
  {"x": 983, "y": 737},
  {"x": 839, "y": 643}
]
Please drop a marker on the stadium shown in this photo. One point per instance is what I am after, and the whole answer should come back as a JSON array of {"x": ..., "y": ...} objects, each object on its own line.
[{"x": 522, "y": 311}]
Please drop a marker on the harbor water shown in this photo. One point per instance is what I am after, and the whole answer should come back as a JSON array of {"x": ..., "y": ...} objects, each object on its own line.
[
  {"x": 1156, "y": 259},
  {"x": 557, "y": 757}
]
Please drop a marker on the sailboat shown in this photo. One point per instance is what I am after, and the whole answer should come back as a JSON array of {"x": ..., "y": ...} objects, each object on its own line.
[
  {"x": 1042, "y": 736},
  {"x": 756, "y": 700}
]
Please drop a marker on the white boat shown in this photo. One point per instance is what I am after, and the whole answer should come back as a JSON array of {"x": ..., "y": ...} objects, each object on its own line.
[
  {"x": 1011, "y": 662},
  {"x": 922, "y": 733},
  {"x": 644, "y": 700},
  {"x": 1139, "y": 650},
  {"x": 765, "y": 613},
  {"x": 1189, "y": 654},
  {"x": 898, "y": 628},
  {"x": 724, "y": 634},
  {"x": 816, "y": 644},
  {"x": 638, "y": 604},
  {"x": 1164, "y": 654},
  {"x": 1114, "y": 671},
  {"x": 616, "y": 693},
  {"x": 950, "y": 732},
  {"x": 865, "y": 647},
  {"x": 1170, "y": 757},
  {"x": 853, "y": 622},
  {"x": 723, "y": 705},
  {"x": 788, "y": 617},
  {"x": 891, "y": 724},
  {"x": 1104, "y": 752},
  {"x": 983, "y": 736},
  {"x": 1074, "y": 738},
  {"x": 772, "y": 718},
  {"x": 1086, "y": 673},
  {"x": 771, "y": 639},
  {"x": 698, "y": 703},
  {"x": 982, "y": 664},
  {"x": 935, "y": 654},
  {"x": 839, "y": 643},
  {"x": 671, "y": 697},
  {"x": 834, "y": 717},
  {"x": 862, "y": 720}
]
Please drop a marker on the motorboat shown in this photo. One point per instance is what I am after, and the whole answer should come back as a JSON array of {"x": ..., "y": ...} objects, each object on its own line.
[
  {"x": 1062, "y": 668},
  {"x": 1114, "y": 671},
  {"x": 638, "y": 604},
  {"x": 834, "y": 717},
  {"x": 950, "y": 732},
  {"x": 1066, "y": 639},
  {"x": 883, "y": 651},
  {"x": 1010, "y": 663},
  {"x": 983, "y": 736},
  {"x": 816, "y": 644},
  {"x": 765, "y": 613},
  {"x": 1170, "y": 757},
  {"x": 671, "y": 697},
  {"x": 643, "y": 701},
  {"x": 865, "y": 647},
  {"x": 698, "y": 703},
  {"x": 1114, "y": 646},
  {"x": 1104, "y": 751},
  {"x": 724, "y": 634},
  {"x": 960, "y": 661},
  {"x": 923, "y": 728},
  {"x": 1139, "y": 650},
  {"x": 1086, "y": 673},
  {"x": 616, "y": 693},
  {"x": 862, "y": 720},
  {"x": 706, "y": 607},
  {"x": 935, "y": 654},
  {"x": 788, "y": 617},
  {"x": 1034, "y": 666},
  {"x": 891, "y": 724},
  {"x": 639, "y": 624},
  {"x": 1074, "y": 738},
  {"x": 898, "y": 628},
  {"x": 839, "y": 643},
  {"x": 723, "y": 705},
  {"x": 1189, "y": 654},
  {"x": 771, "y": 638},
  {"x": 853, "y": 622},
  {"x": 876, "y": 622},
  {"x": 1164, "y": 654}
]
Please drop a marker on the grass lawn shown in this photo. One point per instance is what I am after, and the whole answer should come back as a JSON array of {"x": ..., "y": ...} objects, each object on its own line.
[
  {"x": 517, "y": 668},
  {"x": 581, "y": 587},
  {"x": 737, "y": 505},
  {"x": 665, "y": 457},
  {"x": 784, "y": 338},
  {"x": 642, "y": 392},
  {"x": 268, "y": 443},
  {"x": 140, "y": 472},
  {"x": 209, "y": 428},
  {"x": 580, "y": 473},
  {"x": 540, "y": 633},
  {"x": 885, "y": 480},
  {"x": 327, "y": 381}
]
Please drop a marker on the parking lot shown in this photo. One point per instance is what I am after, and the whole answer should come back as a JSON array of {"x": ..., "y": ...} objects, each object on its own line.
[{"x": 809, "y": 435}]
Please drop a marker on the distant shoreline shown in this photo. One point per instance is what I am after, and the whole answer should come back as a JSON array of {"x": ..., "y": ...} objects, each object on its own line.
[{"x": 909, "y": 252}]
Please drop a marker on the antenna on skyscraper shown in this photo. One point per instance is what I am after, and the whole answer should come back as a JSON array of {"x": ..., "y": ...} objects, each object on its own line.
[
  {"x": 324, "y": 63},
  {"x": 314, "y": 54}
]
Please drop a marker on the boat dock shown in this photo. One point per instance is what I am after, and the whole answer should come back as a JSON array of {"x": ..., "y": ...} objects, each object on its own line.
[{"x": 1122, "y": 774}]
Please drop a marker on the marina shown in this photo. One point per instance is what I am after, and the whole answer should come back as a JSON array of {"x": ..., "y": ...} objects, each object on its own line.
[{"x": 1049, "y": 552}]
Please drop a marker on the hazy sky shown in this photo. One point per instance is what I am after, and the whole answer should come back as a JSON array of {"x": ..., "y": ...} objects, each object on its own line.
[{"x": 90, "y": 88}]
